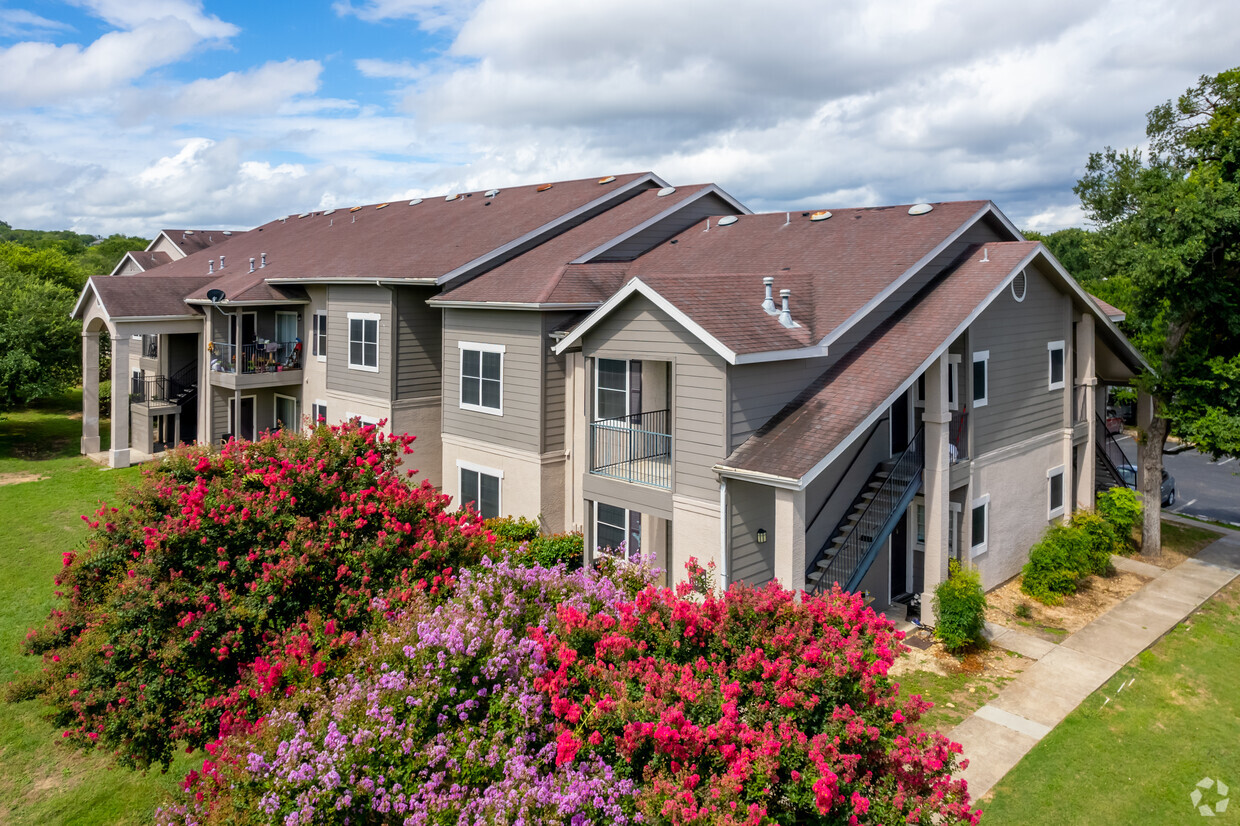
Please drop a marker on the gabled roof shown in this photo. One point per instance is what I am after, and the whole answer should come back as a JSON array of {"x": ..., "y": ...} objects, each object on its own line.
[
  {"x": 817, "y": 425},
  {"x": 143, "y": 259},
  {"x": 140, "y": 296},
  {"x": 1109, "y": 310},
  {"x": 839, "y": 269},
  {"x": 190, "y": 241}
]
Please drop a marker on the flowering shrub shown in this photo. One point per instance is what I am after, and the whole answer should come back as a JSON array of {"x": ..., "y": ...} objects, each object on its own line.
[
  {"x": 439, "y": 721},
  {"x": 536, "y": 696},
  {"x": 235, "y": 574}
]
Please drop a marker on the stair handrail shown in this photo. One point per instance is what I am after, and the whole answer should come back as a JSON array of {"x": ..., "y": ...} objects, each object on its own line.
[
  {"x": 913, "y": 455},
  {"x": 809, "y": 525},
  {"x": 1108, "y": 438}
]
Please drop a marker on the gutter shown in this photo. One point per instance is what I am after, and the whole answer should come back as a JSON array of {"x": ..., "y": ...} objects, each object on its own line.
[{"x": 510, "y": 305}]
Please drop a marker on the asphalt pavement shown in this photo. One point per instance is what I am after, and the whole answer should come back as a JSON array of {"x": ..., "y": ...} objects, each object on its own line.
[{"x": 1204, "y": 488}]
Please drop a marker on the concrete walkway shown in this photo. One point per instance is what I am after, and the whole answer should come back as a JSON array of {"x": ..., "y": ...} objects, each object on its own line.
[{"x": 1001, "y": 732}]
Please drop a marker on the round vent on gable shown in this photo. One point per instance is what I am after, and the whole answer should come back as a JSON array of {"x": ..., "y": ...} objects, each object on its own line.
[{"x": 1018, "y": 286}]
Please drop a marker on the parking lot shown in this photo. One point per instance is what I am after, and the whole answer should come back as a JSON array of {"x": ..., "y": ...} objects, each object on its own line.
[{"x": 1204, "y": 488}]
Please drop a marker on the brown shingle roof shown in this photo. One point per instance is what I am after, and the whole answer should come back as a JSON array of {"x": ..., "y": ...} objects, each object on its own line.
[
  {"x": 197, "y": 240},
  {"x": 148, "y": 260},
  {"x": 145, "y": 295},
  {"x": 399, "y": 241},
  {"x": 536, "y": 276},
  {"x": 837, "y": 403}
]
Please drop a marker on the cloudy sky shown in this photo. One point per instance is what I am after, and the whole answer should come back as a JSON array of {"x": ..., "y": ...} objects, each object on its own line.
[{"x": 131, "y": 115}]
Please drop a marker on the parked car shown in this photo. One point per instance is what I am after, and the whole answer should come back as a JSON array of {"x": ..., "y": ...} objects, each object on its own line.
[{"x": 1128, "y": 473}]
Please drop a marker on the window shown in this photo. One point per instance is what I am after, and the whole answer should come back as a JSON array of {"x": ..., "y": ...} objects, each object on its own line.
[
  {"x": 286, "y": 328},
  {"x": 150, "y": 347},
  {"x": 482, "y": 377},
  {"x": 286, "y": 412},
  {"x": 364, "y": 342},
  {"x": 320, "y": 335},
  {"x": 318, "y": 412},
  {"x": 611, "y": 389},
  {"x": 953, "y": 382},
  {"x": 920, "y": 511},
  {"x": 981, "y": 525},
  {"x": 364, "y": 420},
  {"x": 617, "y": 531},
  {"x": 1055, "y": 349},
  {"x": 480, "y": 488},
  {"x": 1054, "y": 478},
  {"x": 981, "y": 390}
]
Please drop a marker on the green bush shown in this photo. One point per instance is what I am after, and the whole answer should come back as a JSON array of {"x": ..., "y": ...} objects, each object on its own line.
[
  {"x": 960, "y": 608},
  {"x": 1102, "y": 540},
  {"x": 1121, "y": 508},
  {"x": 1056, "y": 565},
  {"x": 525, "y": 539}
]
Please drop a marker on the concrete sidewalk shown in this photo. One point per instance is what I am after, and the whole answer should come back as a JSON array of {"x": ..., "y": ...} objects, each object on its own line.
[{"x": 1001, "y": 732}]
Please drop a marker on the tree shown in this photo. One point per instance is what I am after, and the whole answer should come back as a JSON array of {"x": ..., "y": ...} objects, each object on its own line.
[
  {"x": 1169, "y": 222},
  {"x": 40, "y": 347}
]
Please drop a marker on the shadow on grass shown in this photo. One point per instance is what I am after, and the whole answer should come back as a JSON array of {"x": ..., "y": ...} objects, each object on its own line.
[{"x": 48, "y": 429}]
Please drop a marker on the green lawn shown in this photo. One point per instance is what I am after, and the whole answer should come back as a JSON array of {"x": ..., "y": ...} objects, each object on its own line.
[
  {"x": 42, "y": 782},
  {"x": 1137, "y": 758},
  {"x": 1186, "y": 539},
  {"x": 953, "y": 700}
]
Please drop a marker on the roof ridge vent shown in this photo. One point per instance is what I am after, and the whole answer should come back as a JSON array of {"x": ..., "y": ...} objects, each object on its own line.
[{"x": 768, "y": 303}]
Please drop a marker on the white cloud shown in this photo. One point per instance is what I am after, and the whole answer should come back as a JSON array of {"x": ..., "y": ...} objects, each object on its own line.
[
  {"x": 22, "y": 23},
  {"x": 401, "y": 70},
  {"x": 130, "y": 14},
  {"x": 264, "y": 89},
  {"x": 431, "y": 15}
]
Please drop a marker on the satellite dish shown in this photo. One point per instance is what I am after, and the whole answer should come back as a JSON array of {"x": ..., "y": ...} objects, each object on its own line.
[{"x": 215, "y": 296}]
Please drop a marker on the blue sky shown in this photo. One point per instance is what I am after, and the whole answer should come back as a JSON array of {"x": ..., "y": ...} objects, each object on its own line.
[{"x": 132, "y": 115}]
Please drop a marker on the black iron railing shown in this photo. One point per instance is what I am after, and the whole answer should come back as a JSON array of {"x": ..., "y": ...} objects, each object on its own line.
[
  {"x": 265, "y": 357},
  {"x": 634, "y": 448},
  {"x": 851, "y": 546},
  {"x": 177, "y": 389},
  {"x": 1111, "y": 455}
]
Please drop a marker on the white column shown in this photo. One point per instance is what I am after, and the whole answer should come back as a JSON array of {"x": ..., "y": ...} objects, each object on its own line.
[
  {"x": 1086, "y": 368},
  {"x": 119, "y": 455},
  {"x": 789, "y": 540},
  {"x": 90, "y": 392},
  {"x": 937, "y": 488}
]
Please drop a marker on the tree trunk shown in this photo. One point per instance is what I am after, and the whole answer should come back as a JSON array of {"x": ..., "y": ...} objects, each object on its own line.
[{"x": 1150, "y": 451}]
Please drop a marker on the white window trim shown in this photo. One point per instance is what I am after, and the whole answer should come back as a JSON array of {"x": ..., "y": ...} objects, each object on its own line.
[
  {"x": 482, "y": 347},
  {"x": 953, "y": 382},
  {"x": 275, "y": 411},
  {"x": 984, "y": 357},
  {"x": 628, "y": 518},
  {"x": 314, "y": 419},
  {"x": 320, "y": 333},
  {"x": 481, "y": 470},
  {"x": 627, "y": 382},
  {"x": 233, "y": 405},
  {"x": 1051, "y": 513},
  {"x": 362, "y": 417},
  {"x": 976, "y": 549},
  {"x": 285, "y": 313},
  {"x": 955, "y": 515},
  {"x": 378, "y": 319},
  {"x": 1052, "y": 346}
]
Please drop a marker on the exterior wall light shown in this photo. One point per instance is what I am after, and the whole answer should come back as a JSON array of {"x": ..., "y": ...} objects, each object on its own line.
[{"x": 761, "y": 535}]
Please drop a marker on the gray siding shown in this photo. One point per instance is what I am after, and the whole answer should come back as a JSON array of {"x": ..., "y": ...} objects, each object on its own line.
[
  {"x": 669, "y": 227},
  {"x": 640, "y": 330},
  {"x": 823, "y": 515},
  {"x": 751, "y": 507},
  {"x": 555, "y": 371},
  {"x": 1016, "y": 333},
  {"x": 759, "y": 391},
  {"x": 342, "y": 300},
  {"x": 419, "y": 344},
  {"x": 520, "y": 333}
]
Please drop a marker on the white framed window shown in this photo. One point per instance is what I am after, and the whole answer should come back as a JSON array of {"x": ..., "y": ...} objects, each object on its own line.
[
  {"x": 919, "y": 523},
  {"x": 617, "y": 531},
  {"x": 1055, "y": 364},
  {"x": 981, "y": 378},
  {"x": 1055, "y": 492},
  {"x": 482, "y": 377},
  {"x": 480, "y": 487},
  {"x": 612, "y": 380},
  {"x": 285, "y": 413},
  {"x": 318, "y": 413},
  {"x": 364, "y": 342},
  {"x": 361, "y": 418},
  {"x": 980, "y": 526},
  {"x": 953, "y": 382},
  {"x": 318, "y": 335}
]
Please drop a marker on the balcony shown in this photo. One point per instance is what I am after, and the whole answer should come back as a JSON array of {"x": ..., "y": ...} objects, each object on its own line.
[
  {"x": 261, "y": 364},
  {"x": 635, "y": 448}
]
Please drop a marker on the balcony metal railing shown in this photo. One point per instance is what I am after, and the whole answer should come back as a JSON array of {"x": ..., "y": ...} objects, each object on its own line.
[
  {"x": 635, "y": 448},
  {"x": 264, "y": 357},
  {"x": 176, "y": 389}
]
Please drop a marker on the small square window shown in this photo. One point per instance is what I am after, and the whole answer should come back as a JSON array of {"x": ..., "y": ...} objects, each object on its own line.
[
  {"x": 980, "y": 526},
  {"x": 1055, "y": 491},
  {"x": 364, "y": 342},
  {"x": 981, "y": 384},
  {"x": 482, "y": 377},
  {"x": 1055, "y": 350}
]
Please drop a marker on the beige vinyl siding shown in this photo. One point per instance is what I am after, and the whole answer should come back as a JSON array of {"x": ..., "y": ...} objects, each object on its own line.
[
  {"x": 759, "y": 391},
  {"x": 555, "y": 371},
  {"x": 1020, "y": 404},
  {"x": 751, "y": 507},
  {"x": 669, "y": 227},
  {"x": 520, "y": 333},
  {"x": 342, "y": 300},
  {"x": 640, "y": 330},
  {"x": 419, "y": 344}
]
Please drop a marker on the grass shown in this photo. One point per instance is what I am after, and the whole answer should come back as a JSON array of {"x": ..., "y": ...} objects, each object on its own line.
[
  {"x": 955, "y": 696},
  {"x": 1186, "y": 539},
  {"x": 42, "y": 782},
  {"x": 1137, "y": 758}
]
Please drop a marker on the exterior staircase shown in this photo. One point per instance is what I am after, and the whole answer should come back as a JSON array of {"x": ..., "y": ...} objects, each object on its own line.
[
  {"x": 1111, "y": 457},
  {"x": 854, "y": 544}
]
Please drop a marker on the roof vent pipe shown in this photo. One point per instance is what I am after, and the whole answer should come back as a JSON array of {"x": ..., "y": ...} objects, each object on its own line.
[
  {"x": 210, "y": 266},
  {"x": 768, "y": 303},
  {"x": 264, "y": 263},
  {"x": 251, "y": 265},
  {"x": 221, "y": 262},
  {"x": 785, "y": 315}
]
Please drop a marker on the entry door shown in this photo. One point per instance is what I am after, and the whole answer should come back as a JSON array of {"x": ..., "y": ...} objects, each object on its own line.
[
  {"x": 249, "y": 328},
  {"x": 247, "y": 430}
]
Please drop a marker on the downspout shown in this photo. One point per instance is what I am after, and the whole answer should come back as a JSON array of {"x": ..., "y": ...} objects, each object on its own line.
[{"x": 723, "y": 533}]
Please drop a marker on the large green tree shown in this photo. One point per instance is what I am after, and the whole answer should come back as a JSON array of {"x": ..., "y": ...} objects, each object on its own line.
[{"x": 1168, "y": 223}]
